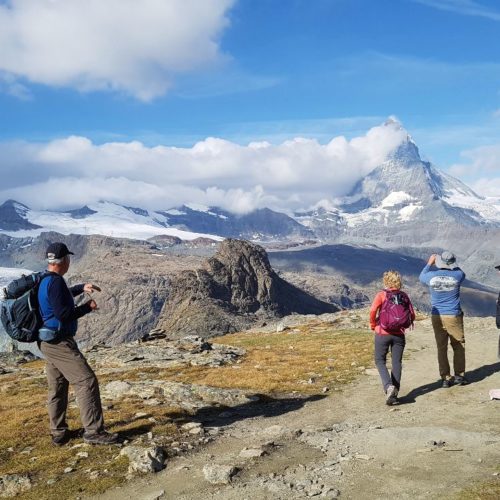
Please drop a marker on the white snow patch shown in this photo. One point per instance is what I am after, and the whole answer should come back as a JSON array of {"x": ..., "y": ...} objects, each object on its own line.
[
  {"x": 174, "y": 211},
  {"x": 197, "y": 207},
  {"x": 487, "y": 208},
  {"x": 396, "y": 198},
  {"x": 406, "y": 213}
]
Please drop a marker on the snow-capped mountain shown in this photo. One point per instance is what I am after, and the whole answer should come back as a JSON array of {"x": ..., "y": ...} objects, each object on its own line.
[
  {"x": 257, "y": 225},
  {"x": 404, "y": 194},
  {"x": 103, "y": 218},
  {"x": 13, "y": 217},
  {"x": 187, "y": 222},
  {"x": 406, "y": 184},
  {"x": 403, "y": 201}
]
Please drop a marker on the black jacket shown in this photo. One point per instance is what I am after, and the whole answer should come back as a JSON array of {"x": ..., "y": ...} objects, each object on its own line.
[{"x": 498, "y": 311}]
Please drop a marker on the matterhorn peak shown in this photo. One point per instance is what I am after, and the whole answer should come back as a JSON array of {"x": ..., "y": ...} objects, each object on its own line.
[
  {"x": 392, "y": 121},
  {"x": 406, "y": 151}
]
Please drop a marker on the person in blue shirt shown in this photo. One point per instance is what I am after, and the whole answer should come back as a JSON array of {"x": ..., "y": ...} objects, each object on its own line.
[
  {"x": 65, "y": 364},
  {"x": 444, "y": 281}
]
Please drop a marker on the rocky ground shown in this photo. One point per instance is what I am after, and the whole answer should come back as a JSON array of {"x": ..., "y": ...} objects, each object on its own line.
[{"x": 435, "y": 444}]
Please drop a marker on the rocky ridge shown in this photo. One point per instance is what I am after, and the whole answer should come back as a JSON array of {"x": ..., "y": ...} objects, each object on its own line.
[{"x": 236, "y": 288}]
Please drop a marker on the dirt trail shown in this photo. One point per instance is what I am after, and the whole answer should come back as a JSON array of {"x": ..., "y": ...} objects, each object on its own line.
[{"x": 352, "y": 445}]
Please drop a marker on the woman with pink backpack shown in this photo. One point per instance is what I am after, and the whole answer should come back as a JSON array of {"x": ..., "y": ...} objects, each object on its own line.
[{"x": 391, "y": 314}]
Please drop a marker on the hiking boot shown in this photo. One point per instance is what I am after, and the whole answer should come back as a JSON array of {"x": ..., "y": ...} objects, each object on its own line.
[
  {"x": 447, "y": 383},
  {"x": 460, "y": 380},
  {"x": 60, "y": 439},
  {"x": 391, "y": 394},
  {"x": 102, "y": 437}
]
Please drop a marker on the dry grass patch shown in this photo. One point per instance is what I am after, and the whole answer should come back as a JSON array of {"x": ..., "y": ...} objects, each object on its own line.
[
  {"x": 26, "y": 448},
  {"x": 275, "y": 363},
  {"x": 285, "y": 362}
]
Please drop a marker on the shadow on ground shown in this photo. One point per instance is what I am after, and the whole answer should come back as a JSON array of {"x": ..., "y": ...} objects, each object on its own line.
[
  {"x": 265, "y": 407},
  {"x": 473, "y": 376}
]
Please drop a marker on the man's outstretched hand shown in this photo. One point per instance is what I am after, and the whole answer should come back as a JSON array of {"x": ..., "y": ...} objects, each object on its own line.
[
  {"x": 90, "y": 288},
  {"x": 432, "y": 260},
  {"x": 93, "y": 305}
]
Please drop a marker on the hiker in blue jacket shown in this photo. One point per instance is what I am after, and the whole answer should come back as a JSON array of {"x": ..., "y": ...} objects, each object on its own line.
[
  {"x": 447, "y": 316},
  {"x": 65, "y": 364}
]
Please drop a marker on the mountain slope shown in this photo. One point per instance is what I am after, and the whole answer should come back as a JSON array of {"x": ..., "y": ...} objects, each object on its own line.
[
  {"x": 256, "y": 225},
  {"x": 13, "y": 217},
  {"x": 101, "y": 218},
  {"x": 404, "y": 193},
  {"x": 187, "y": 222}
]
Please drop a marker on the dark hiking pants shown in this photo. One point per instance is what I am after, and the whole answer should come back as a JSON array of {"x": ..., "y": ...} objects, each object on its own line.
[
  {"x": 67, "y": 365},
  {"x": 396, "y": 343}
]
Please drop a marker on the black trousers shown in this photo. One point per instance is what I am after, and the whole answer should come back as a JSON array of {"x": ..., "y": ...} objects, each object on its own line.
[{"x": 396, "y": 343}]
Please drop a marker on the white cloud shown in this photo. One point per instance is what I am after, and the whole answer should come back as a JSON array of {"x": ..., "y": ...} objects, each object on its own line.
[
  {"x": 464, "y": 7},
  {"x": 487, "y": 187},
  {"x": 294, "y": 174},
  {"x": 482, "y": 166},
  {"x": 483, "y": 160},
  {"x": 9, "y": 84},
  {"x": 135, "y": 47}
]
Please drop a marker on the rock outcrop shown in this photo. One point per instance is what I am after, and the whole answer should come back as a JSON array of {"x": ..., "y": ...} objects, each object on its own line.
[
  {"x": 233, "y": 290},
  {"x": 134, "y": 277}
]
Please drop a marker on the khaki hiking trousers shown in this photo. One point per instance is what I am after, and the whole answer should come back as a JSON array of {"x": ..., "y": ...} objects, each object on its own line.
[
  {"x": 67, "y": 365},
  {"x": 449, "y": 328}
]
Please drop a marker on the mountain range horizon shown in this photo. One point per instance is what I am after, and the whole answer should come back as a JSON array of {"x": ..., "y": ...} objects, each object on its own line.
[
  {"x": 402, "y": 186},
  {"x": 295, "y": 176},
  {"x": 403, "y": 203}
]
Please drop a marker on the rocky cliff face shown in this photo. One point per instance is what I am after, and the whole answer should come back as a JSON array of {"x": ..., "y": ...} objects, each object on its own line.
[
  {"x": 134, "y": 277},
  {"x": 230, "y": 291},
  {"x": 135, "y": 281},
  {"x": 233, "y": 290}
]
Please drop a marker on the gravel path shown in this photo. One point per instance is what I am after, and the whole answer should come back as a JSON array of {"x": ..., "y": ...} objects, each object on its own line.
[{"x": 350, "y": 444}]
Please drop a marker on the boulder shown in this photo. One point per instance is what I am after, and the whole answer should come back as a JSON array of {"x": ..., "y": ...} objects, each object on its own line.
[
  {"x": 219, "y": 474},
  {"x": 144, "y": 460}
]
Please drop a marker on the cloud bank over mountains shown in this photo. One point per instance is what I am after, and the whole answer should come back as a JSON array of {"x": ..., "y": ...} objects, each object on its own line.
[
  {"x": 133, "y": 47},
  {"x": 297, "y": 173},
  {"x": 484, "y": 163}
]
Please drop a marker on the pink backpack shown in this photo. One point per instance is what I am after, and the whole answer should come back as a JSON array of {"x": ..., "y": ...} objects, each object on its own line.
[{"x": 395, "y": 313}]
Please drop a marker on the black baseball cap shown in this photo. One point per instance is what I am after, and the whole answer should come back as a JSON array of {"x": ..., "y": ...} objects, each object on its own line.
[
  {"x": 57, "y": 250},
  {"x": 497, "y": 268}
]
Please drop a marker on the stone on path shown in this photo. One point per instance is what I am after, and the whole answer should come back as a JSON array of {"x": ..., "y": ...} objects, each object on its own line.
[
  {"x": 219, "y": 474},
  {"x": 144, "y": 460},
  {"x": 252, "y": 452},
  {"x": 157, "y": 495}
]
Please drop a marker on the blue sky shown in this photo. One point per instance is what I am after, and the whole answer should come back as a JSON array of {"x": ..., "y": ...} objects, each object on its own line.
[{"x": 258, "y": 70}]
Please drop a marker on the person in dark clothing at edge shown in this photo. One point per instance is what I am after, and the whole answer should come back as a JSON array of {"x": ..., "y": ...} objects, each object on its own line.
[
  {"x": 498, "y": 312},
  {"x": 65, "y": 363},
  {"x": 447, "y": 316}
]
